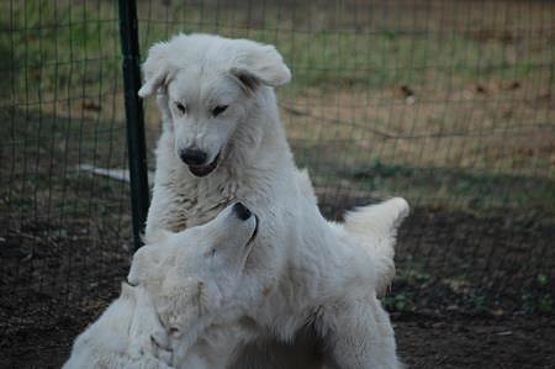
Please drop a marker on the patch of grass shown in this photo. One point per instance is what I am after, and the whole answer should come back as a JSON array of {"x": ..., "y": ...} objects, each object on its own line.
[
  {"x": 66, "y": 45},
  {"x": 399, "y": 302},
  {"x": 58, "y": 50},
  {"x": 539, "y": 296},
  {"x": 359, "y": 58},
  {"x": 476, "y": 132},
  {"x": 475, "y": 191}
]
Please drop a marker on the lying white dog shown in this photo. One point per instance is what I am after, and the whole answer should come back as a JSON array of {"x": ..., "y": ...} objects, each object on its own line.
[
  {"x": 193, "y": 277},
  {"x": 185, "y": 281},
  {"x": 222, "y": 142}
]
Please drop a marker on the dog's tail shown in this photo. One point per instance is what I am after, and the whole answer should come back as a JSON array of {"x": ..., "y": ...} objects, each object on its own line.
[{"x": 375, "y": 227}]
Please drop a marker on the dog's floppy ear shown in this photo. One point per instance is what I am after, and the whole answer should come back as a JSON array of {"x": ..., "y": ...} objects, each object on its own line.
[
  {"x": 142, "y": 265},
  {"x": 155, "y": 69},
  {"x": 257, "y": 63}
]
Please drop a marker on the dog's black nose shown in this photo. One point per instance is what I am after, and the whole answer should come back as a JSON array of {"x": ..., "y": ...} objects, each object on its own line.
[
  {"x": 241, "y": 211},
  {"x": 193, "y": 156}
]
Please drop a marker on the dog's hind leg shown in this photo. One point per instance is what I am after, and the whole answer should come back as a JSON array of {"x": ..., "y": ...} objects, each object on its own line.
[{"x": 358, "y": 335}]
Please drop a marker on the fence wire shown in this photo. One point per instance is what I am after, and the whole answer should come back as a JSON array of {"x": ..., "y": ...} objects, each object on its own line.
[{"x": 448, "y": 103}]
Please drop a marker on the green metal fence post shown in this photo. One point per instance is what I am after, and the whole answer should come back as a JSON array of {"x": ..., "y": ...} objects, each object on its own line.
[{"x": 134, "y": 116}]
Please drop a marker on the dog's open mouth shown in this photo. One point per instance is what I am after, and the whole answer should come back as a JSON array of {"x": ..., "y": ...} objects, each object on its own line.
[{"x": 203, "y": 170}]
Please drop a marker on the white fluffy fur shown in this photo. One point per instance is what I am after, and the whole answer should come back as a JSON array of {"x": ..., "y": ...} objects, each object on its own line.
[
  {"x": 124, "y": 337},
  {"x": 198, "y": 293},
  {"x": 302, "y": 271},
  {"x": 182, "y": 284},
  {"x": 186, "y": 309},
  {"x": 193, "y": 277}
]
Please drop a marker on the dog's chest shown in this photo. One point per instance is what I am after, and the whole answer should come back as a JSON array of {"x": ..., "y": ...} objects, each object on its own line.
[
  {"x": 197, "y": 205},
  {"x": 196, "y": 202},
  {"x": 192, "y": 203}
]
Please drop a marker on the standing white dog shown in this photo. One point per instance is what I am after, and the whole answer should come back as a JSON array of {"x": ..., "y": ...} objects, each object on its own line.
[{"x": 222, "y": 142}]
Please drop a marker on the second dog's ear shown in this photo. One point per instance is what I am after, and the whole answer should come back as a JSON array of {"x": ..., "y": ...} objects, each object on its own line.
[
  {"x": 258, "y": 63},
  {"x": 143, "y": 265},
  {"x": 155, "y": 69}
]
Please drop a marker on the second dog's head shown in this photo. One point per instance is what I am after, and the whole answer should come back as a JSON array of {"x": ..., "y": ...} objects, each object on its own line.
[
  {"x": 193, "y": 273},
  {"x": 206, "y": 86}
]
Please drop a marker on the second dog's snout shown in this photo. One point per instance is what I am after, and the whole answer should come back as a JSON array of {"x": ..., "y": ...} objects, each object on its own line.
[
  {"x": 241, "y": 211},
  {"x": 193, "y": 156}
]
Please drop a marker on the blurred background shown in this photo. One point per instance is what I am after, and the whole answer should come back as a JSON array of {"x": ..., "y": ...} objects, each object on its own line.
[{"x": 448, "y": 103}]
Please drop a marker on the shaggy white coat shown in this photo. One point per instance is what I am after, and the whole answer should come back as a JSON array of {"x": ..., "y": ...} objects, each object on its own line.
[
  {"x": 185, "y": 309},
  {"x": 298, "y": 274},
  {"x": 181, "y": 285},
  {"x": 128, "y": 335},
  {"x": 193, "y": 277},
  {"x": 196, "y": 282}
]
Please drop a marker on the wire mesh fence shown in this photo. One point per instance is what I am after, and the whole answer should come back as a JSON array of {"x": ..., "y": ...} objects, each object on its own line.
[
  {"x": 447, "y": 103},
  {"x": 60, "y": 109}
]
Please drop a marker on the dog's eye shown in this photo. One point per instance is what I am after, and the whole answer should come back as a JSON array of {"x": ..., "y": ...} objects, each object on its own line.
[
  {"x": 182, "y": 108},
  {"x": 219, "y": 110}
]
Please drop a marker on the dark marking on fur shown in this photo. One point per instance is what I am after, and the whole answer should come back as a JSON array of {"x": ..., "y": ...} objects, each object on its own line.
[
  {"x": 247, "y": 81},
  {"x": 266, "y": 291}
]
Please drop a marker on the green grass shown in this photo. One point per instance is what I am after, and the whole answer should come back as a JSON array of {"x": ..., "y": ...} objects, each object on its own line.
[
  {"x": 63, "y": 59},
  {"x": 67, "y": 45},
  {"x": 55, "y": 50},
  {"x": 381, "y": 58}
]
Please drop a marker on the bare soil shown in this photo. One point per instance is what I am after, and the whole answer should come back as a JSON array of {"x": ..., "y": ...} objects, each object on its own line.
[{"x": 439, "y": 323}]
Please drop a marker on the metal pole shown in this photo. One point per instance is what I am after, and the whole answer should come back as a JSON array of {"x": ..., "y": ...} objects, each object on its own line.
[{"x": 134, "y": 116}]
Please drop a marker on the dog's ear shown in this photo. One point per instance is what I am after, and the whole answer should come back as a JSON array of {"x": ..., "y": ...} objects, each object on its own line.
[
  {"x": 155, "y": 69},
  {"x": 257, "y": 63},
  {"x": 142, "y": 265}
]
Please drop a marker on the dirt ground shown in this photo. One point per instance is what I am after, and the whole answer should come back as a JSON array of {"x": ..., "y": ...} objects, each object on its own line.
[
  {"x": 439, "y": 323},
  {"x": 423, "y": 341}
]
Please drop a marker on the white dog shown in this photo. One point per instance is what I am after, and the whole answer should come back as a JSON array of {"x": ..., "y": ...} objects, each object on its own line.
[
  {"x": 223, "y": 142},
  {"x": 181, "y": 285},
  {"x": 193, "y": 277}
]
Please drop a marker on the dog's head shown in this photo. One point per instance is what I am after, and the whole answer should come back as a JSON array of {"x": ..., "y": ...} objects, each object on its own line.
[
  {"x": 206, "y": 86},
  {"x": 193, "y": 273}
]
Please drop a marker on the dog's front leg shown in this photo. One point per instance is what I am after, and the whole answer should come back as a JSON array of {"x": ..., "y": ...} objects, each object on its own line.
[{"x": 358, "y": 335}]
